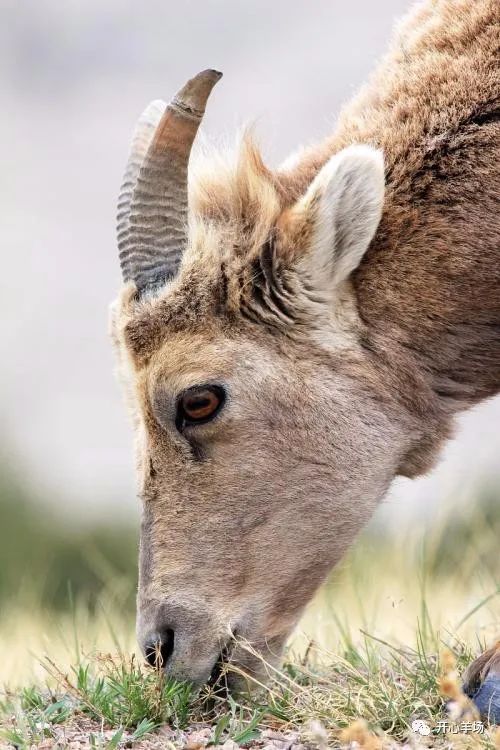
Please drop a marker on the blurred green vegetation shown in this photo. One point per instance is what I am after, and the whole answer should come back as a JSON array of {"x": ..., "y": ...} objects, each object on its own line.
[
  {"x": 46, "y": 559},
  {"x": 471, "y": 533},
  {"x": 455, "y": 537}
]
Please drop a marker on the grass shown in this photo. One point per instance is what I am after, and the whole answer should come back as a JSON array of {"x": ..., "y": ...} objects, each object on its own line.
[
  {"x": 381, "y": 646},
  {"x": 321, "y": 699}
]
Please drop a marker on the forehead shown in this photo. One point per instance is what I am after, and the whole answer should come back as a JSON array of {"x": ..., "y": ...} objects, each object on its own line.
[
  {"x": 186, "y": 311},
  {"x": 190, "y": 358},
  {"x": 194, "y": 355}
]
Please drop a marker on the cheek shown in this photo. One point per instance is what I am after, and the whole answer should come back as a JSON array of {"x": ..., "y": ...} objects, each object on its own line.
[
  {"x": 145, "y": 551},
  {"x": 154, "y": 459},
  {"x": 142, "y": 460}
]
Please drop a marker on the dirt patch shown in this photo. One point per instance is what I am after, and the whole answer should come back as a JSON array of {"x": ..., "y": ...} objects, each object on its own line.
[{"x": 82, "y": 733}]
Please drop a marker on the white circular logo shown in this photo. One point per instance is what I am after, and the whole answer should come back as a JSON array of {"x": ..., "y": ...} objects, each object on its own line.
[{"x": 421, "y": 727}]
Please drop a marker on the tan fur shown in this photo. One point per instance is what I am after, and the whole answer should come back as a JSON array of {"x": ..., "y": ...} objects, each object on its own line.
[{"x": 329, "y": 395}]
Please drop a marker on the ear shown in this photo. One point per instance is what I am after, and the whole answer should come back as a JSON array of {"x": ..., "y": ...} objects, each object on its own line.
[{"x": 342, "y": 209}]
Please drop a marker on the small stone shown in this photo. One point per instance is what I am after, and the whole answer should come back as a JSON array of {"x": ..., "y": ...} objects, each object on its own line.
[
  {"x": 230, "y": 745},
  {"x": 198, "y": 738},
  {"x": 279, "y": 740},
  {"x": 166, "y": 731}
]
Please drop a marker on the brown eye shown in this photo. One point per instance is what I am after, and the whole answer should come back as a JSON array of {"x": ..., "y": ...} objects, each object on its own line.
[{"x": 199, "y": 404}]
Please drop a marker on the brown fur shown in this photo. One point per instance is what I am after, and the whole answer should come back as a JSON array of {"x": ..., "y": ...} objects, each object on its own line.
[
  {"x": 331, "y": 394},
  {"x": 431, "y": 281}
]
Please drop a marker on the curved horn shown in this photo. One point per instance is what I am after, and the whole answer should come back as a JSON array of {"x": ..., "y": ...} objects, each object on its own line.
[
  {"x": 152, "y": 205},
  {"x": 141, "y": 140}
]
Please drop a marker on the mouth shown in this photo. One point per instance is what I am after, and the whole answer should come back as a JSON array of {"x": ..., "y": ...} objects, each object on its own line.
[
  {"x": 232, "y": 671},
  {"x": 218, "y": 680}
]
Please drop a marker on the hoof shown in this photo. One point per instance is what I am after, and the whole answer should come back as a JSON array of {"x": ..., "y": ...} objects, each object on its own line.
[{"x": 482, "y": 684}]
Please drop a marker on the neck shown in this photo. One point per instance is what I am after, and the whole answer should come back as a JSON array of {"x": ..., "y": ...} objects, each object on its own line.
[{"x": 429, "y": 287}]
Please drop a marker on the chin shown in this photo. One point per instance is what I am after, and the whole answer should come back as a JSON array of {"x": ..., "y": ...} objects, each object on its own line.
[{"x": 248, "y": 667}]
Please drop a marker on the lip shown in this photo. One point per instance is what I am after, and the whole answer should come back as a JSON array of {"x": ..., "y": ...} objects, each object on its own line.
[{"x": 217, "y": 681}]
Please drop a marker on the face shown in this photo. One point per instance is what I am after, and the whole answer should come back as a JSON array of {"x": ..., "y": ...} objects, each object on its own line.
[
  {"x": 265, "y": 435},
  {"x": 259, "y": 459}
]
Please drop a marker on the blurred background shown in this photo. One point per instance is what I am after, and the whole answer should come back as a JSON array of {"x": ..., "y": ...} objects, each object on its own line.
[{"x": 74, "y": 77}]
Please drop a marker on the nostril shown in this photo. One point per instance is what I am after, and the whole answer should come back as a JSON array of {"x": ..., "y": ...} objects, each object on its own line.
[{"x": 159, "y": 648}]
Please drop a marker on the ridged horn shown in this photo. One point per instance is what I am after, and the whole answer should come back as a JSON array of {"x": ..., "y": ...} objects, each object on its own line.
[{"x": 153, "y": 200}]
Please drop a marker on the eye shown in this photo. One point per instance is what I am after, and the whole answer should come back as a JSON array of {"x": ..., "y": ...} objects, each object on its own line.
[{"x": 199, "y": 404}]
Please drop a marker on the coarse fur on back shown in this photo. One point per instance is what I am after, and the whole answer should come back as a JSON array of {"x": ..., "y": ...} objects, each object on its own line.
[{"x": 347, "y": 306}]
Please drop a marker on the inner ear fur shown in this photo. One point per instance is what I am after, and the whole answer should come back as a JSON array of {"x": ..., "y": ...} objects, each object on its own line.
[{"x": 326, "y": 233}]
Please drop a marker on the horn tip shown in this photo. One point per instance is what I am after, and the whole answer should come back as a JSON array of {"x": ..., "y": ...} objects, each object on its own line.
[
  {"x": 204, "y": 81},
  {"x": 194, "y": 94},
  {"x": 215, "y": 74}
]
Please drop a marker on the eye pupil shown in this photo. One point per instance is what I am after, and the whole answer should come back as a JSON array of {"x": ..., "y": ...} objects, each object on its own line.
[{"x": 200, "y": 404}]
